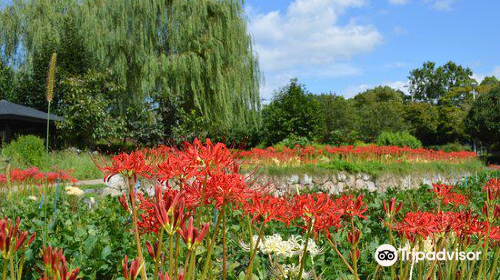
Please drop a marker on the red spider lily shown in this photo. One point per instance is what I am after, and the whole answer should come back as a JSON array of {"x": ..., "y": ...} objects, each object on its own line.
[
  {"x": 170, "y": 212},
  {"x": 310, "y": 206},
  {"x": 390, "y": 208},
  {"x": 211, "y": 156},
  {"x": 129, "y": 165},
  {"x": 12, "y": 239},
  {"x": 492, "y": 188},
  {"x": 123, "y": 201},
  {"x": 422, "y": 223},
  {"x": 351, "y": 208},
  {"x": 56, "y": 266},
  {"x": 455, "y": 199},
  {"x": 165, "y": 276},
  {"x": 192, "y": 236},
  {"x": 223, "y": 189},
  {"x": 131, "y": 272},
  {"x": 153, "y": 251},
  {"x": 353, "y": 236},
  {"x": 441, "y": 190},
  {"x": 267, "y": 207}
]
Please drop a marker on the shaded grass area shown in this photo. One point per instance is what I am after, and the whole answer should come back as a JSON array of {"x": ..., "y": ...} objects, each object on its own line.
[
  {"x": 82, "y": 165},
  {"x": 372, "y": 168}
]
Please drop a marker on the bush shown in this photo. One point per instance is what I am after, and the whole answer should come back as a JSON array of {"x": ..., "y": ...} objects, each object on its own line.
[
  {"x": 294, "y": 140},
  {"x": 26, "y": 151},
  {"x": 399, "y": 139},
  {"x": 451, "y": 147}
]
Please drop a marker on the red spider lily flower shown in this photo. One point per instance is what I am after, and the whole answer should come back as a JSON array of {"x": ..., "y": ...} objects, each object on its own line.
[
  {"x": 310, "y": 206},
  {"x": 353, "y": 237},
  {"x": 441, "y": 190},
  {"x": 390, "y": 208},
  {"x": 131, "y": 272},
  {"x": 422, "y": 223},
  {"x": 223, "y": 188},
  {"x": 170, "y": 212},
  {"x": 454, "y": 199},
  {"x": 267, "y": 207},
  {"x": 56, "y": 265},
  {"x": 351, "y": 208},
  {"x": 492, "y": 188},
  {"x": 123, "y": 201},
  {"x": 165, "y": 276},
  {"x": 153, "y": 250},
  {"x": 192, "y": 236},
  {"x": 12, "y": 239},
  {"x": 129, "y": 165}
]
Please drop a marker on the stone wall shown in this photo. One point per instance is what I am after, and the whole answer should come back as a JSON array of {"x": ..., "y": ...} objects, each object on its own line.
[
  {"x": 339, "y": 182},
  {"x": 334, "y": 183}
]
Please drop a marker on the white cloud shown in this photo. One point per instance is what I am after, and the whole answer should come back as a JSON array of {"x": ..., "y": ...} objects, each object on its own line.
[
  {"x": 354, "y": 90},
  {"x": 399, "y": 2},
  {"x": 307, "y": 40},
  {"x": 441, "y": 5}
]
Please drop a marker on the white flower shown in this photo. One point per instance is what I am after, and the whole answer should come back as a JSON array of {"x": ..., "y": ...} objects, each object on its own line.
[
  {"x": 31, "y": 197},
  {"x": 291, "y": 271},
  {"x": 74, "y": 191}
]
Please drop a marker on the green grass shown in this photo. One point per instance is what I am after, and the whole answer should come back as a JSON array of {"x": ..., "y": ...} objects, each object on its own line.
[
  {"x": 82, "y": 165},
  {"x": 373, "y": 168}
]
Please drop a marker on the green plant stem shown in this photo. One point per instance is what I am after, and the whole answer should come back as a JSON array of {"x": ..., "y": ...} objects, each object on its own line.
[
  {"x": 304, "y": 254},
  {"x": 177, "y": 253},
  {"x": 224, "y": 245},
  {"x": 171, "y": 255},
  {"x": 354, "y": 254},
  {"x": 254, "y": 251},
  {"x": 495, "y": 263},
  {"x": 210, "y": 249},
  {"x": 158, "y": 258},
  {"x": 12, "y": 272},
  {"x": 186, "y": 265},
  {"x": 136, "y": 230},
  {"x": 192, "y": 265},
  {"x": 48, "y": 127},
  {"x": 471, "y": 268},
  {"x": 334, "y": 246},
  {"x": 4, "y": 272}
]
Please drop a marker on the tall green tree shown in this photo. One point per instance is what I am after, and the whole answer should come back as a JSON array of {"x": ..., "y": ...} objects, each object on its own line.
[
  {"x": 379, "y": 109},
  {"x": 429, "y": 82},
  {"x": 483, "y": 121},
  {"x": 166, "y": 54},
  {"x": 292, "y": 111}
]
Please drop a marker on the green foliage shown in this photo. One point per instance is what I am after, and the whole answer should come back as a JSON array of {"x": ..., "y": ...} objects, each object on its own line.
[
  {"x": 79, "y": 162},
  {"x": 292, "y": 111},
  {"x": 423, "y": 121},
  {"x": 379, "y": 109},
  {"x": 429, "y": 83},
  {"x": 26, "y": 151},
  {"x": 6, "y": 81},
  {"x": 86, "y": 105},
  {"x": 451, "y": 147},
  {"x": 341, "y": 119},
  {"x": 293, "y": 140},
  {"x": 483, "y": 120},
  {"x": 399, "y": 139}
]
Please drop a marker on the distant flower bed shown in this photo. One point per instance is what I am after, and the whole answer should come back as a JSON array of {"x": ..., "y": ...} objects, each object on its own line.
[
  {"x": 34, "y": 176},
  {"x": 385, "y": 154}
]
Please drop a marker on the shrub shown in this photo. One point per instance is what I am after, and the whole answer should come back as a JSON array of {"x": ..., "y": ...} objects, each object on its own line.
[
  {"x": 399, "y": 139},
  {"x": 25, "y": 151},
  {"x": 293, "y": 140},
  {"x": 451, "y": 147}
]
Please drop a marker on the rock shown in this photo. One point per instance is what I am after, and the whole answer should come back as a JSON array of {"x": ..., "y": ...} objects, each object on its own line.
[
  {"x": 306, "y": 180},
  {"x": 294, "y": 179},
  {"x": 370, "y": 186},
  {"x": 341, "y": 177}
]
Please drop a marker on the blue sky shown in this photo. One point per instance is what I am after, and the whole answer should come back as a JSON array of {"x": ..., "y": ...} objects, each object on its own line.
[{"x": 347, "y": 46}]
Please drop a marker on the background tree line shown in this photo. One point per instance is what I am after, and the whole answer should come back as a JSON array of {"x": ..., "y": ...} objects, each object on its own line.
[{"x": 441, "y": 111}]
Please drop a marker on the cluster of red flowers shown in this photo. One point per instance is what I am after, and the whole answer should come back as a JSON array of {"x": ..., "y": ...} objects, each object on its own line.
[
  {"x": 446, "y": 196},
  {"x": 56, "y": 266},
  {"x": 312, "y": 154},
  {"x": 12, "y": 239},
  {"x": 35, "y": 176}
]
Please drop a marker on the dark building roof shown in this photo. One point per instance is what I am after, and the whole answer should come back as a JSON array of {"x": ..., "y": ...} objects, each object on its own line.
[{"x": 13, "y": 111}]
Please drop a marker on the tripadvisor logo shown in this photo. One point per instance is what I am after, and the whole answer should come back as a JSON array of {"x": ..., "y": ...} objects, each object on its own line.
[{"x": 387, "y": 255}]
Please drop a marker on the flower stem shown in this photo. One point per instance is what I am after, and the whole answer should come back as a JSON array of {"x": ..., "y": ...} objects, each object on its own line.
[
  {"x": 224, "y": 249},
  {"x": 210, "y": 249},
  {"x": 334, "y": 246},
  {"x": 136, "y": 229},
  {"x": 304, "y": 254},
  {"x": 254, "y": 251},
  {"x": 158, "y": 257}
]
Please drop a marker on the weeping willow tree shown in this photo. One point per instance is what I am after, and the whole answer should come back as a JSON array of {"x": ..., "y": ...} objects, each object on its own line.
[
  {"x": 195, "y": 51},
  {"x": 195, "y": 54}
]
